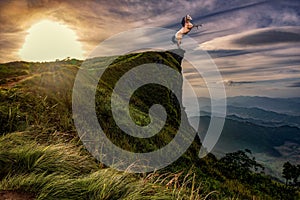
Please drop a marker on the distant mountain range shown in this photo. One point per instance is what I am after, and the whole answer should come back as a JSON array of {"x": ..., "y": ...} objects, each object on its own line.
[
  {"x": 287, "y": 106},
  {"x": 269, "y": 127},
  {"x": 257, "y": 116},
  {"x": 290, "y": 106}
]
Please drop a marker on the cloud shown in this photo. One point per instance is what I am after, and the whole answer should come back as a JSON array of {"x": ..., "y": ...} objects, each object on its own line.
[
  {"x": 268, "y": 57},
  {"x": 227, "y": 53},
  {"x": 268, "y": 37},
  {"x": 255, "y": 37},
  {"x": 297, "y": 84},
  {"x": 236, "y": 83}
]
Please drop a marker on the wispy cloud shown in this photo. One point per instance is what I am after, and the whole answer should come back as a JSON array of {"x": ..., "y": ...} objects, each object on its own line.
[
  {"x": 297, "y": 84},
  {"x": 261, "y": 58},
  {"x": 236, "y": 83},
  {"x": 268, "y": 37}
]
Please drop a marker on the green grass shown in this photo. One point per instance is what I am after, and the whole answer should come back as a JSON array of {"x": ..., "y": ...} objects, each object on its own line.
[
  {"x": 36, "y": 158},
  {"x": 64, "y": 171},
  {"x": 103, "y": 184}
]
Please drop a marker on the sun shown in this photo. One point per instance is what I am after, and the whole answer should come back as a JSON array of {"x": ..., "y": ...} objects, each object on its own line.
[{"x": 48, "y": 40}]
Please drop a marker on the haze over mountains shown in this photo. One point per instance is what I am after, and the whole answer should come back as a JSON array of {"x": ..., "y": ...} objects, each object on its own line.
[
  {"x": 287, "y": 106},
  {"x": 270, "y": 127}
]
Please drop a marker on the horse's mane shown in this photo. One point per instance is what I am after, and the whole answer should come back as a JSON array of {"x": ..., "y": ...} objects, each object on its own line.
[{"x": 183, "y": 21}]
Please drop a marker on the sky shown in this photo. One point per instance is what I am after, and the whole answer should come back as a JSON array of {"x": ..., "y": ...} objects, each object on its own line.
[{"x": 254, "y": 43}]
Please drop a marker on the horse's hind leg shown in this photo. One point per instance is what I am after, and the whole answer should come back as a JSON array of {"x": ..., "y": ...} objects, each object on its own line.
[{"x": 178, "y": 43}]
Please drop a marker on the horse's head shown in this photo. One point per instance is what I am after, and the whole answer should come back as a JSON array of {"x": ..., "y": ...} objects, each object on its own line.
[{"x": 188, "y": 17}]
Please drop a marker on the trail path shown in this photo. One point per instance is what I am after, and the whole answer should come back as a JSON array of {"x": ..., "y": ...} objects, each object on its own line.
[{"x": 15, "y": 195}]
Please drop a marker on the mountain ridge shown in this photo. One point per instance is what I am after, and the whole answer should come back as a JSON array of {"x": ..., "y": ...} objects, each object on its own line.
[
  {"x": 261, "y": 116},
  {"x": 41, "y": 153}
]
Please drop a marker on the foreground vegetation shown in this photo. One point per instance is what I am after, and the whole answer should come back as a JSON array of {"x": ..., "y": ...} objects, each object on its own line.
[{"x": 41, "y": 154}]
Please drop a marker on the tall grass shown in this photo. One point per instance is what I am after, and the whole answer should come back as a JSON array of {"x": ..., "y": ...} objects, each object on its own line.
[
  {"x": 63, "y": 171},
  {"x": 18, "y": 156}
]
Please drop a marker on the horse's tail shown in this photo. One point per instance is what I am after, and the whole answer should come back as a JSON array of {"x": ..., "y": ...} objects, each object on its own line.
[{"x": 174, "y": 39}]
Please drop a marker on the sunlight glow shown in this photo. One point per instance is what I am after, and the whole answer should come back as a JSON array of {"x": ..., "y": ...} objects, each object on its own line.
[{"x": 48, "y": 41}]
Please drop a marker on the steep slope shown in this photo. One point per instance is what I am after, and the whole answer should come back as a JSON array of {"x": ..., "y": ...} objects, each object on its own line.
[
  {"x": 39, "y": 143},
  {"x": 140, "y": 102}
]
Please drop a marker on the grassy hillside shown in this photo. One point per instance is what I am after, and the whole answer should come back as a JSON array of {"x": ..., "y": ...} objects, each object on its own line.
[{"x": 42, "y": 157}]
